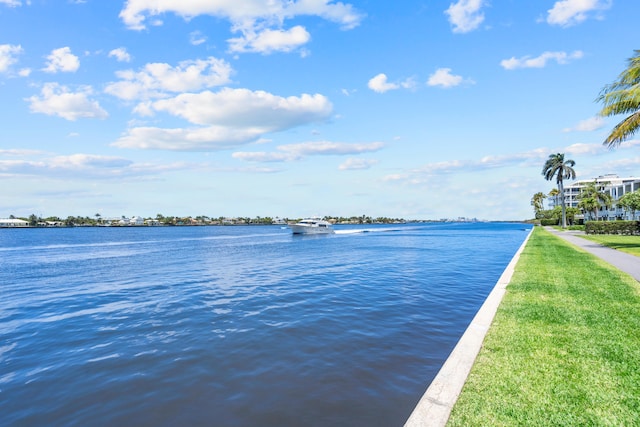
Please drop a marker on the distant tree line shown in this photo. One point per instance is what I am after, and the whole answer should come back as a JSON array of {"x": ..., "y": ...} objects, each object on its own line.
[{"x": 160, "y": 219}]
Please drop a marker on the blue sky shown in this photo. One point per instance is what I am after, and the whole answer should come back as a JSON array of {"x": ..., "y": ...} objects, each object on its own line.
[{"x": 413, "y": 109}]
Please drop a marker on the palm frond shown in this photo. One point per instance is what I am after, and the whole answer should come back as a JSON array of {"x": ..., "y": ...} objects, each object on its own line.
[{"x": 623, "y": 130}]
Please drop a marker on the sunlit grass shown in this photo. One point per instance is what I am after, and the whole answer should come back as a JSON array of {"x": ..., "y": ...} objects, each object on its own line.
[
  {"x": 563, "y": 348},
  {"x": 629, "y": 244}
]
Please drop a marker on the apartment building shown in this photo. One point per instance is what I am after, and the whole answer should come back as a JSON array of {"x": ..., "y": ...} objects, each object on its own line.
[{"x": 610, "y": 183}]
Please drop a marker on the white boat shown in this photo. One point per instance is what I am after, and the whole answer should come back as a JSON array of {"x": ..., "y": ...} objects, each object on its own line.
[{"x": 312, "y": 226}]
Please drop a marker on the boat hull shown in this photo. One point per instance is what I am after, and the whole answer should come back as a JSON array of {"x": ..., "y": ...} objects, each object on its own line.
[{"x": 311, "y": 227}]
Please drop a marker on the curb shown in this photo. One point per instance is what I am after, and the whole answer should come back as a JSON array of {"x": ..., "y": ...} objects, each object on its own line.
[{"x": 435, "y": 406}]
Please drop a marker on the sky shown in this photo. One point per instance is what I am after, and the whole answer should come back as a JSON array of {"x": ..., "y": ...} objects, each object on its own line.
[{"x": 292, "y": 108}]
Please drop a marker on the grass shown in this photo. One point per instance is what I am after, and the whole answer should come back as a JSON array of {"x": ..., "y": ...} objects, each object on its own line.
[
  {"x": 564, "y": 347},
  {"x": 628, "y": 244}
]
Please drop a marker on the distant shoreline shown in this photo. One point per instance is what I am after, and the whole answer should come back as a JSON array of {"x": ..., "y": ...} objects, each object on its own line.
[{"x": 40, "y": 226}]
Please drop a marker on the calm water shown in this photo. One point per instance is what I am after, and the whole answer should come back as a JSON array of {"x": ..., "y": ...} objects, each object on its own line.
[{"x": 235, "y": 326}]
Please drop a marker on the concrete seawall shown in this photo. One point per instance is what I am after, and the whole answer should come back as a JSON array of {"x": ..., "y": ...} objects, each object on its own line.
[{"x": 436, "y": 404}]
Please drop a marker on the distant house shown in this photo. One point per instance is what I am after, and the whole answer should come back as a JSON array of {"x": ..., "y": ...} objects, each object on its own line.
[
  {"x": 13, "y": 222},
  {"x": 136, "y": 220}
]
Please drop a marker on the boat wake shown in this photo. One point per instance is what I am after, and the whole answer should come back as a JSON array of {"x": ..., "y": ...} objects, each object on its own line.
[{"x": 365, "y": 230}]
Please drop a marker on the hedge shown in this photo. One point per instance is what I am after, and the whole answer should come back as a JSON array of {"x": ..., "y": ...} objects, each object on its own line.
[{"x": 613, "y": 227}]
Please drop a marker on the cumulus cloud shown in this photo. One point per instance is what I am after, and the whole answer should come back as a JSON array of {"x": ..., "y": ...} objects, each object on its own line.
[
  {"x": 228, "y": 118},
  {"x": 268, "y": 41},
  {"x": 246, "y": 108},
  {"x": 259, "y": 23},
  {"x": 120, "y": 54},
  {"x": 541, "y": 60},
  {"x": 381, "y": 84},
  {"x": 157, "y": 80},
  {"x": 588, "y": 125},
  {"x": 443, "y": 78},
  {"x": 465, "y": 15},
  {"x": 62, "y": 60},
  {"x": 8, "y": 56},
  {"x": 58, "y": 100},
  {"x": 292, "y": 152},
  {"x": 566, "y": 13}
]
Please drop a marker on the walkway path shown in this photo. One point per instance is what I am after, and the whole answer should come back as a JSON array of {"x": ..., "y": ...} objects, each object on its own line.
[
  {"x": 435, "y": 406},
  {"x": 623, "y": 261}
]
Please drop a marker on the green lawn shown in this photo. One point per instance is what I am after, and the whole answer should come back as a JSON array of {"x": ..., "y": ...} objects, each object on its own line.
[
  {"x": 629, "y": 244},
  {"x": 564, "y": 347}
]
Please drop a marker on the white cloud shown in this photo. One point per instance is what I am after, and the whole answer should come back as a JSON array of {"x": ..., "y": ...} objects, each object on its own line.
[
  {"x": 380, "y": 84},
  {"x": 357, "y": 164},
  {"x": 443, "y": 78},
  {"x": 541, "y": 60},
  {"x": 211, "y": 138},
  {"x": 62, "y": 60},
  {"x": 258, "y": 21},
  {"x": 588, "y": 125},
  {"x": 196, "y": 38},
  {"x": 57, "y": 100},
  {"x": 566, "y": 13},
  {"x": 245, "y": 108},
  {"x": 330, "y": 148},
  {"x": 156, "y": 80},
  {"x": 229, "y": 118},
  {"x": 8, "y": 56},
  {"x": 465, "y": 15},
  {"x": 264, "y": 157},
  {"x": 582, "y": 149},
  {"x": 425, "y": 173},
  {"x": 11, "y": 3},
  {"x": 120, "y": 54},
  {"x": 88, "y": 160},
  {"x": 78, "y": 166},
  {"x": 291, "y": 152},
  {"x": 269, "y": 41}
]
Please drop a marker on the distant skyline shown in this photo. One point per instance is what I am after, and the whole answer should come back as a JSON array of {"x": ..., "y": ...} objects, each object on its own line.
[{"x": 412, "y": 109}]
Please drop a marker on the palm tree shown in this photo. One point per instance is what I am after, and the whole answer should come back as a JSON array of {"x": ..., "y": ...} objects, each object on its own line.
[
  {"x": 593, "y": 197},
  {"x": 562, "y": 169},
  {"x": 630, "y": 202},
  {"x": 623, "y": 97},
  {"x": 537, "y": 202},
  {"x": 554, "y": 195}
]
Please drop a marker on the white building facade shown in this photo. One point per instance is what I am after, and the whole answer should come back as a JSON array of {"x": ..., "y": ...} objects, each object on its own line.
[{"x": 612, "y": 184}]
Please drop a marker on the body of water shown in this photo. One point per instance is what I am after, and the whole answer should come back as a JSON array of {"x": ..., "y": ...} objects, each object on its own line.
[{"x": 236, "y": 326}]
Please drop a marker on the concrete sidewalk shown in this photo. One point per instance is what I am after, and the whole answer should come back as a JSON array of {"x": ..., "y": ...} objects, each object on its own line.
[{"x": 623, "y": 261}]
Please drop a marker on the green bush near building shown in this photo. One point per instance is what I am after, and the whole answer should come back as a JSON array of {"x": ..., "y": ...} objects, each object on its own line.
[{"x": 613, "y": 227}]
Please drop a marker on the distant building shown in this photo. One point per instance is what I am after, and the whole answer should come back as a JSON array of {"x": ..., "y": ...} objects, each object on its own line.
[
  {"x": 610, "y": 183},
  {"x": 13, "y": 222}
]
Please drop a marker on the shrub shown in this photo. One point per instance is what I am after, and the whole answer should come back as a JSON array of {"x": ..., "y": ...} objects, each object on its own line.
[{"x": 613, "y": 227}]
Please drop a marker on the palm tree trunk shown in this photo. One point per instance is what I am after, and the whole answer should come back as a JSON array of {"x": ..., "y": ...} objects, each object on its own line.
[{"x": 564, "y": 209}]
